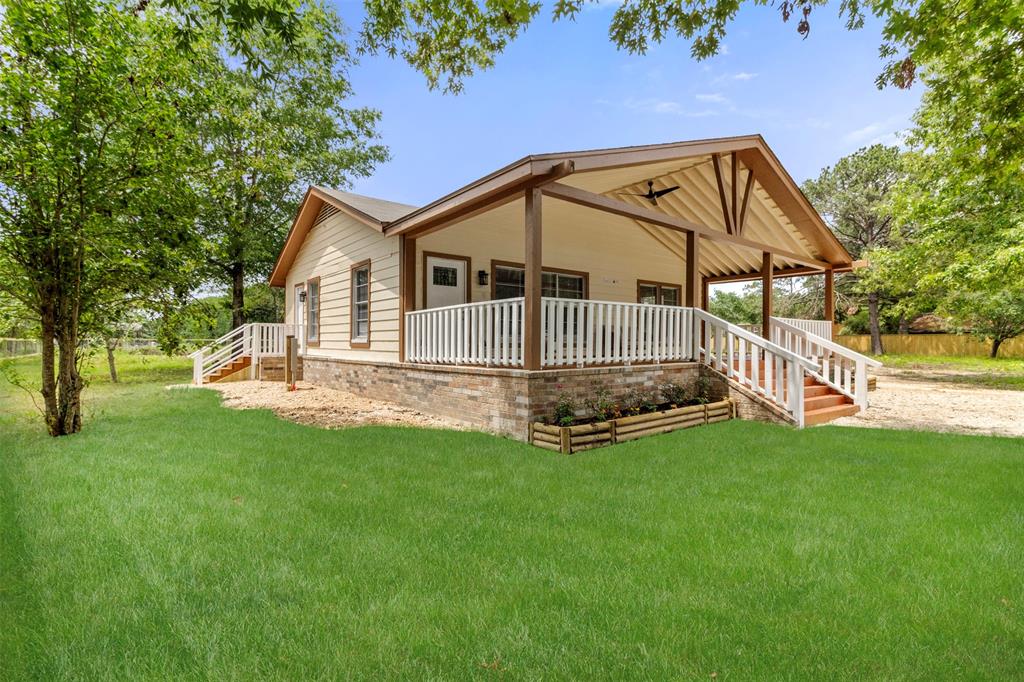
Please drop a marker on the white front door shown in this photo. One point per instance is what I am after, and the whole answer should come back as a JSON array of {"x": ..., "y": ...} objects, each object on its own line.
[{"x": 446, "y": 281}]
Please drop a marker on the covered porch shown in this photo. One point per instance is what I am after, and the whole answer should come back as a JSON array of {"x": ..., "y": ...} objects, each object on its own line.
[{"x": 606, "y": 259}]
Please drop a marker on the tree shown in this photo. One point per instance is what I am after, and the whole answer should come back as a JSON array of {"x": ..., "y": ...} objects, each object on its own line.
[
  {"x": 267, "y": 137},
  {"x": 853, "y": 197},
  {"x": 992, "y": 316},
  {"x": 92, "y": 102}
]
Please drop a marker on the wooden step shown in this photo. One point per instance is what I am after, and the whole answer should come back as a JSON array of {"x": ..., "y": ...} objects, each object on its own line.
[
  {"x": 816, "y": 390},
  {"x": 827, "y": 414},
  {"x": 228, "y": 369},
  {"x": 828, "y": 400}
]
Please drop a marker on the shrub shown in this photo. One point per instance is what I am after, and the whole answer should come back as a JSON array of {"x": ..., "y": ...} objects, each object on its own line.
[
  {"x": 702, "y": 390},
  {"x": 565, "y": 410},
  {"x": 639, "y": 401},
  {"x": 673, "y": 393},
  {"x": 600, "y": 404}
]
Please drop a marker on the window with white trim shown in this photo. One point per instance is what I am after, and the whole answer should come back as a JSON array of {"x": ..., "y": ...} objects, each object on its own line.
[{"x": 361, "y": 303}]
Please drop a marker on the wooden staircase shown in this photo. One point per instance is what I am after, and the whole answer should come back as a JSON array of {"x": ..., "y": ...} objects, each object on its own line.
[
  {"x": 228, "y": 368},
  {"x": 822, "y": 403}
]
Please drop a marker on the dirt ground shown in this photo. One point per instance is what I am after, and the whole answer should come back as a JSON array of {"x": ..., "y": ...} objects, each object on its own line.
[
  {"x": 908, "y": 399},
  {"x": 323, "y": 407}
]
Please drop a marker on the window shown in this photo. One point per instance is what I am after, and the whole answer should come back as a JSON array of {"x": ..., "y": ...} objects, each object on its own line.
[
  {"x": 445, "y": 276},
  {"x": 313, "y": 311},
  {"x": 658, "y": 293},
  {"x": 510, "y": 282},
  {"x": 360, "y": 331}
]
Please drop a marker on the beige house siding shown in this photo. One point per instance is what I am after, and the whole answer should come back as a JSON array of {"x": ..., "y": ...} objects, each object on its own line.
[
  {"x": 328, "y": 252},
  {"x": 615, "y": 252}
]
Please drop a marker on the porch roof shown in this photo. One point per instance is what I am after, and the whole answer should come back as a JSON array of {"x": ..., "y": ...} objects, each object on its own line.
[{"x": 713, "y": 196}]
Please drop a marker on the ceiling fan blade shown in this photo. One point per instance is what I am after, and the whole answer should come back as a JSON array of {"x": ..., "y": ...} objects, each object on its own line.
[{"x": 663, "y": 192}]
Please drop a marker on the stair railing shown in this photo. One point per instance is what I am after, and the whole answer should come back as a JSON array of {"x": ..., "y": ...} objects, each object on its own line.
[
  {"x": 836, "y": 366},
  {"x": 254, "y": 340},
  {"x": 773, "y": 372}
]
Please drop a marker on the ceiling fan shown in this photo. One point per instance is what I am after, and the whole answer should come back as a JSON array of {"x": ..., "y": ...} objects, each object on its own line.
[{"x": 651, "y": 195}]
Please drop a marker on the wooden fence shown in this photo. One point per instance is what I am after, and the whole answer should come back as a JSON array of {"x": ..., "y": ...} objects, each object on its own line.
[
  {"x": 10, "y": 348},
  {"x": 933, "y": 344}
]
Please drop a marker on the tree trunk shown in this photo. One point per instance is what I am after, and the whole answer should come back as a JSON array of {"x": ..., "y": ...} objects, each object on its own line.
[
  {"x": 112, "y": 345},
  {"x": 48, "y": 383},
  {"x": 237, "y": 295},
  {"x": 995, "y": 348},
  {"x": 876, "y": 329},
  {"x": 69, "y": 381}
]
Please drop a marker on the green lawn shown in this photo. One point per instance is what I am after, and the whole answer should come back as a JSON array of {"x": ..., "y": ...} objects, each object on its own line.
[
  {"x": 177, "y": 539},
  {"x": 1005, "y": 373}
]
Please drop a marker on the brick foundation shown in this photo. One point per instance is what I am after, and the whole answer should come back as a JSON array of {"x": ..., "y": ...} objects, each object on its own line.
[
  {"x": 748, "y": 406},
  {"x": 503, "y": 401},
  {"x": 272, "y": 369}
]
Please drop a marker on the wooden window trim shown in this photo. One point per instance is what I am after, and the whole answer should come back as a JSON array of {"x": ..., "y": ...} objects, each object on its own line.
[
  {"x": 319, "y": 304},
  {"x": 449, "y": 256},
  {"x": 660, "y": 285},
  {"x": 495, "y": 264},
  {"x": 352, "y": 342}
]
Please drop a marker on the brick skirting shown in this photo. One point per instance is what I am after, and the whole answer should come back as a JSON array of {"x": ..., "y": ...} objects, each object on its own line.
[
  {"x": 502, "y": 401},
  {"x": 272, "y": 369}
]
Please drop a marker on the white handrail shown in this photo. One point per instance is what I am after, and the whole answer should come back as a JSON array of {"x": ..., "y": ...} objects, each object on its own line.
[
  {"x": 487, "y": 333},
  {"x": 754, "y": 362},
  {"x": 253, "y": 340},
  {"x": 835, "y": 365}
]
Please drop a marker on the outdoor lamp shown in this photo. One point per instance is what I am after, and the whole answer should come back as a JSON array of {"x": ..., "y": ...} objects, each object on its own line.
[
  {"x": 481, "y": 277},
  {"x": 302, "y": 296}
]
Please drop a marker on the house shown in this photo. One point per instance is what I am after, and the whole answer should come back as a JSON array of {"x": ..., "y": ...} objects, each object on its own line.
[{"x": 559, "y": 273}]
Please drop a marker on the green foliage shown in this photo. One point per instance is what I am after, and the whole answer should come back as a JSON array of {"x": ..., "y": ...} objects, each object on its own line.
[
  {"x": 995, "y": 316},
  {"x": 673, "y": 393},
  {"x": 600, "y": 404},
  {"x": 565, "y": 410},
  {"x": 639, "y": 400},
  {"x": 94, "y": 101},
  {"x": 269, "y": 135}
]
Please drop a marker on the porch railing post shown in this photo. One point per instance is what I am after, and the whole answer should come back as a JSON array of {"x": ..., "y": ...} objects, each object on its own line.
[{"x": 533, "y": 284}]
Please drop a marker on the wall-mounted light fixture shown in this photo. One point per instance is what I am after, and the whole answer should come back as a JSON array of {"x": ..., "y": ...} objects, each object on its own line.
[
  {"x": 481, "y": 277},
  {"x": 302, "y": 296}
]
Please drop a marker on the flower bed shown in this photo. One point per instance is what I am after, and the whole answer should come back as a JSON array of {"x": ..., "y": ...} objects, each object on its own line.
[{"x": 580, "y": 437}]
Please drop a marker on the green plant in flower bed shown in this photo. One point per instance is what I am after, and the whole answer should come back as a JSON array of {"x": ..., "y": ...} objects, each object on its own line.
[
  {"x": 601, "y": 405},
  {"x": 702, "y": 390},
  {"x": 674, "y": 394},
  {"x": 565, "y": 410},
  {"x": 639, "y": 401}
]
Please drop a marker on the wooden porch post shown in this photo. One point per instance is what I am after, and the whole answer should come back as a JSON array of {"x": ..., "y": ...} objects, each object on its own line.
[
  {"x": 766, "y": 294},
  {"x": 533, "y": 281},
  {"x": 406, "y": 288},
  {"x": 704, "y": 294},
  {"x": 830, "y": 296},
  {"x": 694, "y": 297}
]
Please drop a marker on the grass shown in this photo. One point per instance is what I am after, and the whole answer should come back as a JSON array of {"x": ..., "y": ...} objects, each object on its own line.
[
  {"x": 1004, "y": 373},
  {"x": 177, "y": 539}
]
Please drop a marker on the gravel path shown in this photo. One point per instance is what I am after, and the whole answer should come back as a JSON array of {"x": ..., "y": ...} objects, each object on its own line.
[
  {"x": 908, "y": 400},
  {"x": 321, "y": 406}
]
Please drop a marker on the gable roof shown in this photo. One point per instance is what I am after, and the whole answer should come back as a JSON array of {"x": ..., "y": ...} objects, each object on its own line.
[
  {"x": 605, "y": 171},
  {"x": 370, "y": 211},
  {"x": 381, "y": 210}
]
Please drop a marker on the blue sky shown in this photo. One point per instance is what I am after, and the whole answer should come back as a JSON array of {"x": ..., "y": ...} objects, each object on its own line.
[{"x": 563, "y": 86}]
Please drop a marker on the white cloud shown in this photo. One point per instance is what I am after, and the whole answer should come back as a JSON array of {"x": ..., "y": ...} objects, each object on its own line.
[
  {"x": 653, "y": 105},
  {"x": 714, "y": 97},
  {"x": 876, "y": 132},
  {"x": 744, "y": 76}
]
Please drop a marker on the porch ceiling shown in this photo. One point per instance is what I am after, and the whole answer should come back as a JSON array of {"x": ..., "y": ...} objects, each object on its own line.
[{"x": 697, "y": 200}]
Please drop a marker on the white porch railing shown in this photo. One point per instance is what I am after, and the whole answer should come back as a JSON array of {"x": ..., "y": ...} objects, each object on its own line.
[
  {"x": 822, "y": 328},
  {"x": 759, "y": 365},
  {"x": 488, "y": 333},
  {"x": 603, "y": 332},
  {"x": 254, "y": 341},
  {"x": 839, "y": 367}
]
